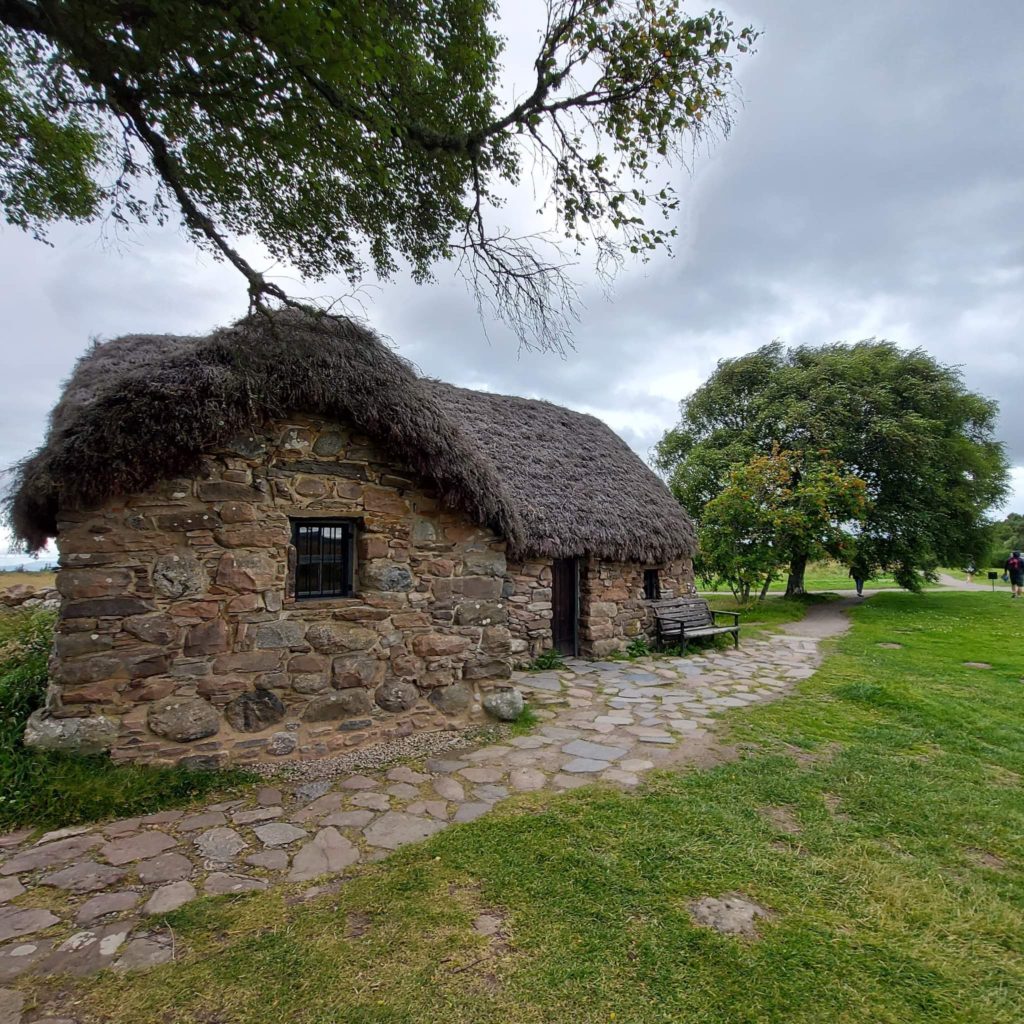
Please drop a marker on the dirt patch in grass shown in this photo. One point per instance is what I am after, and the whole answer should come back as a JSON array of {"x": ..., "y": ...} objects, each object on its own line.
[
  {"x": 730, "y": 914},
  {"x": 834, "y": 803},
  {"x": 985, "y": 858},
  {"x": 781, "y": 818},
  {"x": 357, "y": 924}
]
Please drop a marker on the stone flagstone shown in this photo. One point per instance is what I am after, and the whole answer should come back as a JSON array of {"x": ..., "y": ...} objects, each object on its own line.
[
  {"x": 279, "y": 834},
  {"x": 50, "y": 855},
  {"x": 595, "y": 751},
  {"x": 326, "y": 853},
  {"x": 220, "y": 845},
  {"x": 15, "y": 922},
  {"x": 105, "y": 903},
  {"x": 395, "y": 829},
  {"x": 139, "y": 847},
  {"x": 168, "y": 867},
  {"x": 9, "y": 889},
  {"x": 585, "y": 765},
  {"x": 86, "y": 876},
  {"x": 170, "y": 897}
]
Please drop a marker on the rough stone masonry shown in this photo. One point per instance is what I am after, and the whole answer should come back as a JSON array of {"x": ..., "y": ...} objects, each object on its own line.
[{"x": 180, "y": 640}]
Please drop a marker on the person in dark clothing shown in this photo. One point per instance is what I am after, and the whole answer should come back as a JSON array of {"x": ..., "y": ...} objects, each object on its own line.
[
  {"x": 857, "y": 575},
  {"x": 1015, "y": 570}
]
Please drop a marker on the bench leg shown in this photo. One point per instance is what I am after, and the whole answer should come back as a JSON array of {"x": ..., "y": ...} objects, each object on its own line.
[{"x": 736, "y": 640}]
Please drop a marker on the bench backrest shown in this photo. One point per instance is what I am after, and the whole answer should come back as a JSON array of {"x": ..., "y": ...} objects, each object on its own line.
[{"x": 692, "y": 612}]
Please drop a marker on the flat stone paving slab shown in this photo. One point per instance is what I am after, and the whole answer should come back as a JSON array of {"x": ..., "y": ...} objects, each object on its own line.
[
  {"x": 272, "y": 860},
  {"x": 11, "y": 1003},
  {"x": 586, "y": 765},
  {"x": 106, "y": 903},
  {"x": 326, "y": 853},
  {"x": 9, "y": 889},
  {"x": 220, "y": 845},
  {"x": 395, "y": 829},
  {"x": 21, "y": 957},
  {"x": 15, "y": 921},
  {"x": 139, "y": 847},
  {"x": 471, "y": 811},
  {"x": 595, "y": 751},
  {"x": 168, "y": 867},
  {"x": 87, "y": 951},
  {"x": 170, "y": 897},
  {"x": 220, "y": 883},
  {"x": 548, "y": 681},
  {"x": 50, "y": 855},
  {"x": 144, "y": 951},
  {"x": 280, "y": 833},
  {"x": 85, "y": 876}
]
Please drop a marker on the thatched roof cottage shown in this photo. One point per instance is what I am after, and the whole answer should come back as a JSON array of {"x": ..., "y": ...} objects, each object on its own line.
[{"x": 279, "y": 540}]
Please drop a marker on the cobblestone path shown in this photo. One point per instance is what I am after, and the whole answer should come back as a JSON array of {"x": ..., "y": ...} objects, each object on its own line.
[{"x": 81, "y": 899}]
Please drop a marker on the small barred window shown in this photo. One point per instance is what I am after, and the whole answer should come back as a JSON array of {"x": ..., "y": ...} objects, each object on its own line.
[{"x": 324, "y": 561}]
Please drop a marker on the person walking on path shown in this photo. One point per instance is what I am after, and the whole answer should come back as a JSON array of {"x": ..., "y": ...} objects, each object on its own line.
[
  {"x": 859, "y": 574},
  {"x": 1015, "y": 571}
]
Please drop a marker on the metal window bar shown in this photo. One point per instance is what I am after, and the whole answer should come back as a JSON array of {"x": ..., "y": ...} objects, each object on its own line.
[{"x": 323, "y": 558}]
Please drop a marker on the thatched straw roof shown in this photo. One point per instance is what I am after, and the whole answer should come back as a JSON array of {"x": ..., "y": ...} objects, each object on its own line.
[{"x": 145, "y": 407}]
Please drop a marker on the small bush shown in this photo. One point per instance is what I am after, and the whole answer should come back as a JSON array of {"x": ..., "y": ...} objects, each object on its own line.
[
  {"x": 547, "y": 660},
  {"x": 525, "y": 723},
  {"x": 52, "y": 790},
  {"x": 638, "y": 648}
]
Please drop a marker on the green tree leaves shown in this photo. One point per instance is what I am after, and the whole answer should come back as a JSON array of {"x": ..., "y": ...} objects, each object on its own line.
[
  {"x": 776, "y": 508},
  {"x": 901, "y": 422},
  {"x": 356, "y": 136}
]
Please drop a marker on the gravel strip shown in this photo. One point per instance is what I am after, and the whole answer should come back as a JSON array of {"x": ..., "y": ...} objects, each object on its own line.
[{"x": 381, "y": 755}]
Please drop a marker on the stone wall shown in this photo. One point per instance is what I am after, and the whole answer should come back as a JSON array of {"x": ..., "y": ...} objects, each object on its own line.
[
  {"x": 613, "y": 609},
  {"x": 527, "y": 594},
  {"x": 180, "y": 640},
  {"x": 179, "y": 636}
]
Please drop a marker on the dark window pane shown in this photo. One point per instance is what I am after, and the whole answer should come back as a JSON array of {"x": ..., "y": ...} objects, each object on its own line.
[
  {"x": 652, "y": 585},
  {"x": 324, "y": 557}
]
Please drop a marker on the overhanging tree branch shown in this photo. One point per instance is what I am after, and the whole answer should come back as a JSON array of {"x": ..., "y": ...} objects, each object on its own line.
[{"x": 364, "y": 134}]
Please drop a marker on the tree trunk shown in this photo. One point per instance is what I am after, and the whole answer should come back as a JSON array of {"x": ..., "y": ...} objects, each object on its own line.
[
  {"x": 795, "y": 583},
  {"x": 767, "y": 584}
]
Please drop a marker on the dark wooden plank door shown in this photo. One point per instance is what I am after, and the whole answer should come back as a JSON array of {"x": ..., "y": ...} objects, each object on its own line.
[{"x": 565, "y": 604}]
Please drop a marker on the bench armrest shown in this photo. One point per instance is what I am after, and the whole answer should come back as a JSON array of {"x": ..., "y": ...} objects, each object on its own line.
[{"x": 735, "y": 615}]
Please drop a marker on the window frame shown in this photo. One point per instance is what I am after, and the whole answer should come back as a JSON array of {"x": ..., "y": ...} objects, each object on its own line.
[
  {"x": 344, "y": 556},
  {"x": 652, "y": 585}
]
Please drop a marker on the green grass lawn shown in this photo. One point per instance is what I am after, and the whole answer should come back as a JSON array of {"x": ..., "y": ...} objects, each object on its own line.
[
  {"x": 899, "y": 901},
  {"x": 832, "y": 576},
  {"x": 827, "y": 576}
]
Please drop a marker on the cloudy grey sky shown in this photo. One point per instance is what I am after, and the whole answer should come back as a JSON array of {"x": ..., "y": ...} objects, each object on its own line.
[{"x": 873, "y": 186}]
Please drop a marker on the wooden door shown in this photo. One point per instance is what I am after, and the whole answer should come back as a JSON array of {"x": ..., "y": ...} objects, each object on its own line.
[{"x": 565, "y": 606}]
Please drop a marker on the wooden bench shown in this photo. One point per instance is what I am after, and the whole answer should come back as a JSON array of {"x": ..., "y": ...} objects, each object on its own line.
[{"x": 683, "y": 618}]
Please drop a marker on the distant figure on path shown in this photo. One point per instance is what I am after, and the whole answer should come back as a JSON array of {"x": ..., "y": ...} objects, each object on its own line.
[
  {"x": 858, "y": 574},
  {"x": 1015, "y": 570}
]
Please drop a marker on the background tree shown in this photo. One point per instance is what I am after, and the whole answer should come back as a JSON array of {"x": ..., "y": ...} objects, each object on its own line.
[
  {"x": 772, "y": 509},
  {"x": 1005, "y": 536},
  {"x": 901, "y": 422},
  {"x": 347, "y": 135}
]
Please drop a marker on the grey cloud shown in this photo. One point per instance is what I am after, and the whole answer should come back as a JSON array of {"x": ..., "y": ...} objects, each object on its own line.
[{"x": 873, "y": 186}]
